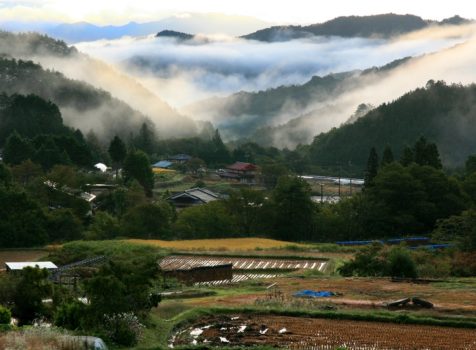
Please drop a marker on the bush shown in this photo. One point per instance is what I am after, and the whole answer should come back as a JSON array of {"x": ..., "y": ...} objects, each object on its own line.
[
  {"x": 123, "y": 329},
  {"x": 5, "y": 315},
  {"x": 70, "y": 315},
  {"x": 401, "y": 264},
  {"x": 464, "y": 264}
]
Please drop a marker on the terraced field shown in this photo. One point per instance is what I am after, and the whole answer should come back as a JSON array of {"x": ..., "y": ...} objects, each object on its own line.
[{"x": 178, "y": 262}]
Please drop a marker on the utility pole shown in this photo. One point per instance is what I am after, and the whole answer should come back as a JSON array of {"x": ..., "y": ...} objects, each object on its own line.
[
  {"x": 350, "y": 187},
  {"x": 322, "y": 192}
]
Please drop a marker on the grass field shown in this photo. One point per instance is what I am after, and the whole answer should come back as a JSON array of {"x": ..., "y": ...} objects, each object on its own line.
[{"x": 225, "y": 244}]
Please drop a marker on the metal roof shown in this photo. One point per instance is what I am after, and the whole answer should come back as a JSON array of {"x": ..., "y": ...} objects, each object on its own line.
[
  {"x": 240, "y": 166},
  {"x": 201, "y": 194},
  {"x": 162, "y": 164},
  {"x": 21, "y": 265}
]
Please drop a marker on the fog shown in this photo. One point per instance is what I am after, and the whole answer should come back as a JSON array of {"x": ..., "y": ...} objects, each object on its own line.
[
  {"x": 183, "y": 72},
  {"x": 453, "y": 65},
  {"x": 147, "y": 70}
]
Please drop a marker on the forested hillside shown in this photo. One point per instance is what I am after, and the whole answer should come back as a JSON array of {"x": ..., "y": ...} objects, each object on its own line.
[
  {"x": 81, "y": 104},
  {"x": 442, "y": 113},
  {"x": 385, "y": 25},
  {"x": 251, "y": 115},
  {"x": 105, "y": 96}
]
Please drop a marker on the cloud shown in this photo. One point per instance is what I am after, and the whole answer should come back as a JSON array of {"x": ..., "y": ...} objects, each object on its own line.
[{"x": 221, "y": 66}]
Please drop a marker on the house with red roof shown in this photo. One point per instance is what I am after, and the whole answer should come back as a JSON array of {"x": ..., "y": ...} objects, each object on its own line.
[{"x": 242, "y": 172}]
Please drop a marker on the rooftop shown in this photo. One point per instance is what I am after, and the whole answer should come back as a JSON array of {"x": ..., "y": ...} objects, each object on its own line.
[
  {"x": 241, "y": 166},
  {"x": 21, "y": 265},
  {"x": 201, "y": 194}
]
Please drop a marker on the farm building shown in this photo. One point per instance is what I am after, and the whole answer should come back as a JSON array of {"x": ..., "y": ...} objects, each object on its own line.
[
  {"x": 18, "y": 266},
  {"x": 194, "y": 196},
  {"x": 195, "y": 274},
  {"x": 243, "y": 172}
]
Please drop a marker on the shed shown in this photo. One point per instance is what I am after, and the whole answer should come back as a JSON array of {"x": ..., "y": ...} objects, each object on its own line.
[
  {"x": 213, "y": 271},
  {"x": 18, "y": 266}
]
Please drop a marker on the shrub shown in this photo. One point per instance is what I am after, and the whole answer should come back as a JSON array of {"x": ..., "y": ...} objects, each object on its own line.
[
  {"x": 69, "y": 315},
  {"x": 401, "y": 264},
  {"x": 123, "y": 329},
  {"x": 5, "y": 315}
]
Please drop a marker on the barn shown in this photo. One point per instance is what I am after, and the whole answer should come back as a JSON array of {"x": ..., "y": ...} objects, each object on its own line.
[{"x": 214, "y": 271}]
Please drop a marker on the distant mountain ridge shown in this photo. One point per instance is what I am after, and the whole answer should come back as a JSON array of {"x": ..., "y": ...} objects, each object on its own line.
[
  {"x": 188, "y": 23},
  {"x": 385, "y": 25}
]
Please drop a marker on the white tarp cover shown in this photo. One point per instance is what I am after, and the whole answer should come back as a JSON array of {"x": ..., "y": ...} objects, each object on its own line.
[{"x": 22, "y": 265}]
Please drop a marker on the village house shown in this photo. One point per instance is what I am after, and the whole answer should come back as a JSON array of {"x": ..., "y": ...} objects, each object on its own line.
[
  {"x": 243, "y": 172},
  {"x": 192, "y": 197}
]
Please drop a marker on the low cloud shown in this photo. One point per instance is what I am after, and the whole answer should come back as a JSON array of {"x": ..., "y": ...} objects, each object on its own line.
[{"x": 183, "y": 72}]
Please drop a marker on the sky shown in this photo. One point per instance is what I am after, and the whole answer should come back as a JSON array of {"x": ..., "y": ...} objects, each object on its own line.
[{"x": 277, "y": 11}]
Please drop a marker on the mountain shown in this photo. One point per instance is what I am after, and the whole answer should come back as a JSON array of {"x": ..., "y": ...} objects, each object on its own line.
[
  {"x": 123, "y": 92},
  {"x": 81, "y": 105},
  {"x": 385, "y": 25},
  {"x": 189, "y": 23},
  {"x": 444, "y": 114},
  {"x": 175, "y": 35},
  {"x": 252, "y": 114}
]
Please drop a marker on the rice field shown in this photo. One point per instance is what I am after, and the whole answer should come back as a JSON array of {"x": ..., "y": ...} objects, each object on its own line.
[
  {"x": 323, "y": 334},
  {"x": 224, "y": 244}
]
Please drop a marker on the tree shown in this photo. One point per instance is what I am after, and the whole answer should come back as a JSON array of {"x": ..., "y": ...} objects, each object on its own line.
[
  {"x": 470, "y": 165},
  {"x": 372, "y": 168},
  {"x": 407, "y": 157},
  {"x": 104, "y": 226},
  {"x": 32, "y": 288},
  {"x": 293, "y": 208},
  {"x": 26, "y": 171},
  {"x": 17, "y": 149},
  {"x": 246, "y": 207},
  {"x": 5, "y": 176},
  {"x": 23, "y": 223},
  {"x": 145, "y": 140},
  {"x": 63, "y": 225},
  {"x": 460, "y": 229},
  {"x": 387, "y": 156},
  {"x": 210, "y": 220},
  {"x": 137, "y": 166},
  {"x": 271, "y": 172},
  {"x": 148, "y": 221},
  {"x": 122, "y": 286},
  {"x": 48, "y": 154},
  {"x": 426, "y": 153},
  {"x": 221, "y": 155},
  {"x": 117, "y": 150}
]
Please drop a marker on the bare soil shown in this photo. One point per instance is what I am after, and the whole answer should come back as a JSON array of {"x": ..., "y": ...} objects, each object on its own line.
[{"x": 311, "y": 333}]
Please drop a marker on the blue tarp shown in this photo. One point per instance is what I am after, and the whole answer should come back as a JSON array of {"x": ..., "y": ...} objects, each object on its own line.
[
  {"x": 162, "y": 164},
  {"x": 314, "y": 294}
]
